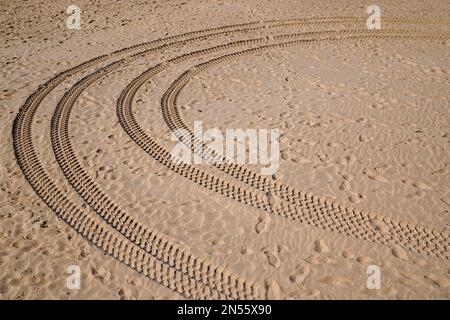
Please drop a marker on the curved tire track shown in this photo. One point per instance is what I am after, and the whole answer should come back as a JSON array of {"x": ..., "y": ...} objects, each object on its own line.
[{"x": 112, "y": 229}]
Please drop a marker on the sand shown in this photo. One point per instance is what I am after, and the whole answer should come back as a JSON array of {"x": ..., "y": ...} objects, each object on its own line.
[{"x": 364, "y": 172}]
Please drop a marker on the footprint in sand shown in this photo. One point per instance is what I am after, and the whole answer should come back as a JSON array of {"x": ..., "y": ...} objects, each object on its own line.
[
  {"x": 351, "y": 159},
  {"x": 344, "y": 186},
  {"x": 400, "y": 253},
  {"x": 321, "y": 247},
  {"x": 273, "y": 290},
  {"x": 365, "y": 260},
  {"x": 217, "y": 242},
  {"x": 362, "y": 138},
  {"x": 347, "y": 254},
  {"x": 419, "y": 262},
  {"x": 301, "y": 272},
  {"x": 99, "y": 274},
  {"x": 355, "y": 197},
  {"x": 421, "y": 185},
  {"x": 300, "y": 160},
  {"x": 246, "y": 250},
  {"x": 440, "y": 281},
  {"x": 124, "y": 294},
  {"x": 263, "y": 224},
  {"x": 347, "y": 177},
  {"x": 376, "y": 177},
  {"x": 272, "y": 258}
]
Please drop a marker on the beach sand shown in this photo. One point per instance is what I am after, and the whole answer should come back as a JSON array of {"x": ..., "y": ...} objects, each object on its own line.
[{"x": 363, "y": 178}]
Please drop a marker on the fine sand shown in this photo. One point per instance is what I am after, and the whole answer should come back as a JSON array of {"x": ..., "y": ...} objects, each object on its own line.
[{"x": 86, "y": 177}]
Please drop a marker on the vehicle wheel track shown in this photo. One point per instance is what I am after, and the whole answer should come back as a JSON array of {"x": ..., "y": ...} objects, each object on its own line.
[
  {"x": 191, "y": 273},
  {"x": 92, "y": 193},
  {"x": 351, "y": 222}
]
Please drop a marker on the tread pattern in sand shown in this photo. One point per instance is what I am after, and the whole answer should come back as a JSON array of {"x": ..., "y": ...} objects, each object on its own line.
[{"x": 157, "y": 256}]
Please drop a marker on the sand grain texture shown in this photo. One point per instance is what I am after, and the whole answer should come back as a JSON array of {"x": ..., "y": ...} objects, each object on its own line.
[{"x": 87, "y": 178}]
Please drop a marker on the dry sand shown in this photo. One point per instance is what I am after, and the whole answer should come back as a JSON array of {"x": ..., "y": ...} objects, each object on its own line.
[{"x": 364, "y": 124}]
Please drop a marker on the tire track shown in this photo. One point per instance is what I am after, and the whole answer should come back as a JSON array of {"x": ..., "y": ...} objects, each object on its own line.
[
  {"x": 325, "y": 214},
  {"x": 103, "y": 205},
  {"x": 110, "y": 228},
  {"x": 162, "y": 259},
  {"x": 354, "y": 223},
  {"x": 189, "y": 282}
]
